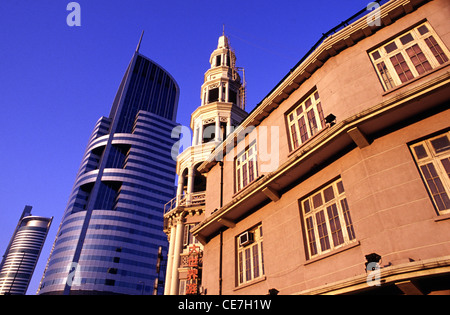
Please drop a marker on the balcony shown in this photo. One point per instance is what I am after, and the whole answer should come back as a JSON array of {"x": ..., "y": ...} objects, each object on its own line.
[{"x": 189, "y": 200}]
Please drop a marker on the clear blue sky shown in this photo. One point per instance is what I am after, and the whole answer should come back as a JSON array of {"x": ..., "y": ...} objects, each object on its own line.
[{"x": 56, "y": 81}]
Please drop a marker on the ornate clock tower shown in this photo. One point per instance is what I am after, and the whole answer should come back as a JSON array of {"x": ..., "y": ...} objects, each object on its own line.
[{"x": 222, "y": 108}]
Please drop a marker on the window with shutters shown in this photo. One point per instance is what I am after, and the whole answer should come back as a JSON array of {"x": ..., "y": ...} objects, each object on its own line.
[
  {"x": 408, "y": 56},
  {"x": 432, "y": 157}
]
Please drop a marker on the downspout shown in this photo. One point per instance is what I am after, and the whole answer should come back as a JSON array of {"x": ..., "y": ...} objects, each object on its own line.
[{"x": 221, "y": 231}]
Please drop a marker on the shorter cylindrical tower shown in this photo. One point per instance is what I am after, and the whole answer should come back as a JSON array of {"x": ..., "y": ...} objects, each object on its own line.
[{"x": 22, "y": 253}]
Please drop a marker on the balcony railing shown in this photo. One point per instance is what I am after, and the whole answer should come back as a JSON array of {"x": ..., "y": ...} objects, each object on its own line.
[{"x": 196, "y": 199}]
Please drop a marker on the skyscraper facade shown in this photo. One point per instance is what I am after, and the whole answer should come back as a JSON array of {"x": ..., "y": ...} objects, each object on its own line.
[
  {"x": 22, "y": 253},
  {"x": 112, "y": 228}
]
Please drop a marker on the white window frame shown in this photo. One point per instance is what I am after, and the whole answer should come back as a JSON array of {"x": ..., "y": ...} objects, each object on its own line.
[
  {"x": 250, "y": 258},
  {"x": 437, "y": 160},
  {"x": 246, "y": 167},
  {"x": 305, "y": 120},
  {"x": 389, "y": 78},
  {"x": 318, "y": 242}
]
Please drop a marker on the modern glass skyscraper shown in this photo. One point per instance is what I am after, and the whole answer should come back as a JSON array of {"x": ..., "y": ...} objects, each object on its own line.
[
  {"x": 110, "y": 233},
  {"x": 23, "y": 252}
]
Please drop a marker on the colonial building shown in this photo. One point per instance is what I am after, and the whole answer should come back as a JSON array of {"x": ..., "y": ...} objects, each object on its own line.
[
  {"x": 222, "y": 108},
  {"x": 338, "y": 181}
]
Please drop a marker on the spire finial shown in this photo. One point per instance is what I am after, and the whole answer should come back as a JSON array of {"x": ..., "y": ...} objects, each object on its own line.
[
  {"x": 223, "y": 29},
  {"x": 140, "y": 40}
]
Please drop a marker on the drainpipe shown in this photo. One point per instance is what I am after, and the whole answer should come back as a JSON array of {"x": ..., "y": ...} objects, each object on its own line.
[
  {"x": 220, "y": 262},
  {"x": 221, "y": 231},
  {"x": 221, "y": 184}
]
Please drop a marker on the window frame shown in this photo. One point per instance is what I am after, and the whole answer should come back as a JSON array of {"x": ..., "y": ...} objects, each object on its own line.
[
  {"x": 382, "y": 60},
  {"x": 305, "y": 120},
  {"x": 250, "y": 262},
  {"x": 326, "y": 228},
  {"x": 246, "y": 167},
  {"x": 434, "y": 158}
]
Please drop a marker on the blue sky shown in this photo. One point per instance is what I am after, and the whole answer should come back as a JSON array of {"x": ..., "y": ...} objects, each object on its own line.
[{"x": 56, "y": 81}]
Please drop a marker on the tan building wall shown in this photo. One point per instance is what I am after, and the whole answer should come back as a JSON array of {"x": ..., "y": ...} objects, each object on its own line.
[{"x": 391, "y": 209}]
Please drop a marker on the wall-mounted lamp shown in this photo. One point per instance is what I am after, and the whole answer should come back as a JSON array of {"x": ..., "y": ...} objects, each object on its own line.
[
  {"x": 331, "y": 120},
  {"x": 372, "y": 258}
]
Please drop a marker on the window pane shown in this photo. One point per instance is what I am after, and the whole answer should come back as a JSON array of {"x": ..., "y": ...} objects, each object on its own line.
[
  {"x": 308, "y": 103},
  {"x": 244, "y": 175},
  {"x": 335, "y": 225},
  {"x": 423, "y": 30},
  {"x": 385, "y": 75},
  {"x": 446, "y": 163},
  {"x": 316, "y": 95},
  {"x": 241, "y": 268},
  {"x": 401, "y": 67},
  {"x": 420, "y": 152},
  {"x": 255, "y": 261},
  {"x": 390, "y": 47},
  {"x": 348, "y": 219},
  {"x": 303, "y": 131},
  {"x": 321, "y": 116},
  {"x": 406, "y": 39},
  {"x": 436, "y": 50},
  {"x": 312, "y": 122},
  {"x": 248, "y": 265},
  {"x": 328, "y": 194},
  {"x": 294, "y": 137},
  {"x": 340, "y": 187},
  {"x": 311, "y": 236},
  {"x": 322, "y": 230},
  {"x": 306, "y": 207},
  {"x": 376, "y": 55},
  {"x": 418, "y": 59},
  {"x": 251, "y": 175},
  {"x": 317, "y": 200},
  {"x": 441, "y": 144},
  {"x": 262, "y": 257},
  {"x": 435, "y": 186}
]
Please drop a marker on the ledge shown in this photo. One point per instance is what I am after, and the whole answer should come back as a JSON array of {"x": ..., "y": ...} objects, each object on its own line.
[
  {"x": 332, "y": 253},
  {"x": 245, "y": 285},
  {"x": 442, "y": 217}
]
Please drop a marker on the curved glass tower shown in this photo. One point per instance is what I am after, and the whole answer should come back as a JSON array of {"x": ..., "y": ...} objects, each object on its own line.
[
  {"x": 22, "y": 254},
  {"x": 112, "y": 228}
]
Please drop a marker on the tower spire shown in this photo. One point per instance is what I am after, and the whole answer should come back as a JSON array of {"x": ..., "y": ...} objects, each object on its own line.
[{"x": 140, "y": 40}]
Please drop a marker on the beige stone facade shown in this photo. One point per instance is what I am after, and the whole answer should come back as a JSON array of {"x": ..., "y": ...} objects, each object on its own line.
[{"x": 349, "y": 155}]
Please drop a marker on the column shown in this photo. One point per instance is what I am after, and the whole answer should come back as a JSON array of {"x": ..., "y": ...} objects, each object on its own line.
[
  {"x": 229, "y": 126},
  {"x": 180, "y": 188},
  {"x": 169, "y": 261},
  {"x": 195, "y": 138},
  {"x": 227, "y": 86},
  {"x": 190, "y": 185},
  {"x": 176, "y": 256},
  {"x": 221, "y": 92},
  {"x": 200, "y": 133},
  {"x": 217, "y": 131}
]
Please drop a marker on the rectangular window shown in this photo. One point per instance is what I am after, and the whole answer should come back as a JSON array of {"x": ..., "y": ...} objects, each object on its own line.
[
  {"x": 250, "y": 257},
  {"x": 411, "y": 54},
  {"x": 246, "y": 167},
  {"x": 432, "y": 157},
  {"x": 305, "y": 120},
  {"x": 326, "y": 219}
]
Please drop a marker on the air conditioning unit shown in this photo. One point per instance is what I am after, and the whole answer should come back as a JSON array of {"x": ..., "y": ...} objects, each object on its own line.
[{"x": 245, "y": 238}]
